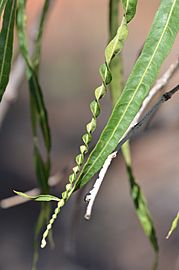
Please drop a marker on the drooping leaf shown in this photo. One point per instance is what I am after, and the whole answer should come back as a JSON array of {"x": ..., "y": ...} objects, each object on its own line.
[
  {"x": 116, "y": 88},
  {"x": 173, "y": 226},
  {"x": 40, "y": 198},
  {"x": 2, "y": 4},
  {"x": 6, "y": 43},
  {"x": 39, "y": 116},
  {"x": 34, "y": 85},
  {"x": 40, "y": 109},
  {"x": 156, "y": 48},
  {"x": 142, "y": 210},
  {"x": 42, "y": 171},
  {"x": 38, "y": 39}
]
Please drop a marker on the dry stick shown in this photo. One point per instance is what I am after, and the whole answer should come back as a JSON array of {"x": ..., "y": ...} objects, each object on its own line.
[{"x": 133, "y": 130}]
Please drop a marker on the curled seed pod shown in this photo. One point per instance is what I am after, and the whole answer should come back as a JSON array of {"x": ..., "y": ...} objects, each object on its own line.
[{"x": 113, "y": 48}]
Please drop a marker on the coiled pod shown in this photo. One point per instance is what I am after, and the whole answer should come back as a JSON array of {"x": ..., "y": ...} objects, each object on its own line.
[{"x": 113, "y": 48}]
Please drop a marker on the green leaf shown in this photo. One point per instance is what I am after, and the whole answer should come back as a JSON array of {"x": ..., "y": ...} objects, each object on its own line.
[
  {"x": 142, "y": 210},
  {"x": 38, "y": 39},
  {"x": 40, "y": 109},
  {"x": 173, "y": 226},
  {"x": 39, "y": 116},
  {"x": 156, "y": 48},
  {"x": 42, "y": 172},
  {"x": 34, "y": 85},
  {"x": 40, "y": 198},
  {"x": 2, "y": 4},
  {"x": 6, "y": 43}
]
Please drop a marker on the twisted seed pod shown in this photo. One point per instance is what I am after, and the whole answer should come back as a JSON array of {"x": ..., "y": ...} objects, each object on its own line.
[{"x": 113, "y": 48}]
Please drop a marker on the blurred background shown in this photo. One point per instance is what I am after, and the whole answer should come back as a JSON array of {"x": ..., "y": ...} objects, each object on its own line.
[{"x": 73, "y": 49}]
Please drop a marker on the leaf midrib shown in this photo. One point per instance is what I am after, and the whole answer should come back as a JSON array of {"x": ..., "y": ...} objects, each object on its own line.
[
  {"x": 6, "y": 41},
  {"x": 172, "y": 7}
]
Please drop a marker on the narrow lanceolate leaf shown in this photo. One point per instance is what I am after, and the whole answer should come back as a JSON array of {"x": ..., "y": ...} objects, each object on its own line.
[
  {"x": 35, "y": 88},
  {"x": 39, "y": 116},
  {"x": 2, "y": 4},
  {"x": 36, "y": 93},
  {"x": 6, "y": 43},
  {"x": 173, "y": 226},
  {"x": 38, "y": 39},
  {"x": 142, "y": 210},
  {"x": 156, "y": 48},
  {"x": 40, "y": 198}
]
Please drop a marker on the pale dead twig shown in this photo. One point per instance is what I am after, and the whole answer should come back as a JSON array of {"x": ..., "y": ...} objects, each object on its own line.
[
  {"x": 134, "y": 128},
  {"x": 12, "y": 89},
  {"x": 159, "y": 85},
  {"x": 16, "y": 78},
  {"x": 90, "y": 198}
]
